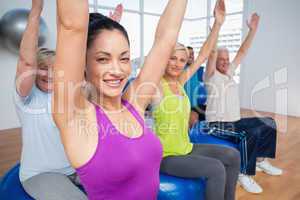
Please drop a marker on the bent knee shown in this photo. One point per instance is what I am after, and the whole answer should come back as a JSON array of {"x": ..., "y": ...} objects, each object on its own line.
[
  {"x": 217, "y": 170},
  {"x": 233, "y": 157}
]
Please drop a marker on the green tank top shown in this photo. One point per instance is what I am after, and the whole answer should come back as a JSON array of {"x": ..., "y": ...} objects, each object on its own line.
[{"x": 171, "y": 122}]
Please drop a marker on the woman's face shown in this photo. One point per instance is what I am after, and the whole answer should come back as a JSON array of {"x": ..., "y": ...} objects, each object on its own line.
[
  {"x": 176, "y": 63},
  {"x": 44, "y": 79},
  {"x": 108, "y": 63}
]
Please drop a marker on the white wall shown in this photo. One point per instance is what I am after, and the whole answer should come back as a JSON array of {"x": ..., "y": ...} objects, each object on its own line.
[
  {"x": 8, "y": 117},
  {"x": 271, "y": 71}
]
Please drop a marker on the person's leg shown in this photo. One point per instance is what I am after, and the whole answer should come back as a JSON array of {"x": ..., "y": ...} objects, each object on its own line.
[
  {"x": 245, "y": 178},
  {"x": 52, "y": 186},
  {"x": 230, "y": 158},
  {"x": 268, "y": 138},
  {"x": 76, "y": 180},
  {"x": 265, "y": 130},
  {"x": 252, "y": 137},
  {"x": 267, "y": 146},
  {"x": 196, "y": 166}
]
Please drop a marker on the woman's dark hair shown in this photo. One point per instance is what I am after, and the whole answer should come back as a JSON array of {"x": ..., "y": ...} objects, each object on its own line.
[{"x": 98, "y": 23}]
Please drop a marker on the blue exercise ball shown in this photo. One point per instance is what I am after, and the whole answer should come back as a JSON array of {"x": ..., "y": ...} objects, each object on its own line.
[
  {"x": 12, "y": 26},
  {"x": 171, "y": 188},
  {"x": 11, "y": 188}
]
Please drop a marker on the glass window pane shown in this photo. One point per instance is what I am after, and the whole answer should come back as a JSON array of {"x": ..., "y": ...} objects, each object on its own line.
[
  {"x": 104, "y": 11},
  {"x": 128, "y": 4},
  {"x": 150, "y": 24},
  {"x": 131, "y": 22},
  {"x": 231, "y": 6},
  {"x": 231, "y": 33},
  {"x": 196, "y": 9},
  {"x": 91, "y": 9},
  {"x": 155, "y": 6},
  {"x": 184, "y": 33},
  {"x": 197, "y": 34}
]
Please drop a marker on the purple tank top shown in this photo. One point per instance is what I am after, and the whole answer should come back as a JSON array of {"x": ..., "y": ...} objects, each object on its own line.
[{"x": 122, "y": 167}]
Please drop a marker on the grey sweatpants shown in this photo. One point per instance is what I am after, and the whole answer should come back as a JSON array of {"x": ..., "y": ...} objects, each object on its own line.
[
  {"x": 54, "y": 186},
  {"x": 219, "y": 164}
]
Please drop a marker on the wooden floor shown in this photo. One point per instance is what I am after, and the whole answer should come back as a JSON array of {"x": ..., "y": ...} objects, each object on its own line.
[
  {"x": 10, "y": 149},
  {"x": 285, "y": 187}
]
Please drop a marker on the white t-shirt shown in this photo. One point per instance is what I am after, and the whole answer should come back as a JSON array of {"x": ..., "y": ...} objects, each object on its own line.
[
  {"x": 42, "y": 150},
  {"x": 223, "y": 102}
]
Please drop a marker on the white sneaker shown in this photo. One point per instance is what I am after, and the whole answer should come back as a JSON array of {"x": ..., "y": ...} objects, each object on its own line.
[
  {"x": 266, "y": 167},
  {"x": 249, "y": 184},
  {"x": 258, "y": 169}
]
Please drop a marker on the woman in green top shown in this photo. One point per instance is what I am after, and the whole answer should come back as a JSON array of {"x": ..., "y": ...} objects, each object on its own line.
[{"x": 220, "y": 165}]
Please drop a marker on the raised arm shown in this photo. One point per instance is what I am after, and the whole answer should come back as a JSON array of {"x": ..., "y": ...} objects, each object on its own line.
[
  {"x": 72, "y": 27},
  {"x": 211, "y": 63},
  {"x": 27, "y": 63},
  {"x": 166, "y": 35},
  {"x": 209, "y": 44},
  {"x": 242, "y": 52}
]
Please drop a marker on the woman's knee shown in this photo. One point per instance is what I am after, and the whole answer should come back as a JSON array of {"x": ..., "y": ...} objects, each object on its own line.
[
  {"x": 233, "y": 157},
  {"x": 217, "y": 171}
]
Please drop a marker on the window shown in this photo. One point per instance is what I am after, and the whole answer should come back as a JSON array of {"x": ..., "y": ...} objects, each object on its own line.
[
  {"x": 129, "y": 4},
  {"x": 232, "y": 6},
  {"x": 196, "y": 9},
  {"x": 155, "y": 6},
  {"x": 194, "y": 31},
  {"x": 197, "y": 34},
  {"x": 150, "y": 23}
]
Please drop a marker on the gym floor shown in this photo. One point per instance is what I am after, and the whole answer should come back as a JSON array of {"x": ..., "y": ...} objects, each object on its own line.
[{"x": 285, "y": 187}]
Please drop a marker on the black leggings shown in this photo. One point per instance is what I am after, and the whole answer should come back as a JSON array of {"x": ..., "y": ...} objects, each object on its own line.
[{"x": 219, "y": 165}]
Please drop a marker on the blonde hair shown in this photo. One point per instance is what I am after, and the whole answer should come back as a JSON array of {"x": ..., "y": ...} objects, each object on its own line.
[
  {"x": 181, "y": 47},
  {"x": 43, "y": 54}
]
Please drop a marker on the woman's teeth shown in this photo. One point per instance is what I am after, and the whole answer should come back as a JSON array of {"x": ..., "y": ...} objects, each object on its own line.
[{"x": 113, "y": 82}]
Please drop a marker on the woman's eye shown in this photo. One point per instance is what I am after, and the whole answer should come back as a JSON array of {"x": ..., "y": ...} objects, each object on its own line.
[
  {"x": 125, "y": 59},
  {"x": 102, "y": 60}
]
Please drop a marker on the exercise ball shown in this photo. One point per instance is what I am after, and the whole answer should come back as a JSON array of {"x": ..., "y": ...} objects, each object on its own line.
[
  {"x": 172, "y": 187},
  {"x": 12, "y": 27}
]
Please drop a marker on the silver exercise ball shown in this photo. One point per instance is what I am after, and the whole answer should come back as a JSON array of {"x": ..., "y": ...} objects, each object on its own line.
[{"x": 12, "y": 27}]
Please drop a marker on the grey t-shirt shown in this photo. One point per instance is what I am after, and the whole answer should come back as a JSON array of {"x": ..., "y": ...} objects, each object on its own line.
[{"x": 42, "y": 150}]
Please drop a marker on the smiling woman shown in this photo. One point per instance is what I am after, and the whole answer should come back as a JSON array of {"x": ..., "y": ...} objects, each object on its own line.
[
  {"x": 43, "y": 160},
  {"x": 101, "y": 55},
  {"x": 45, "y": 60}
]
